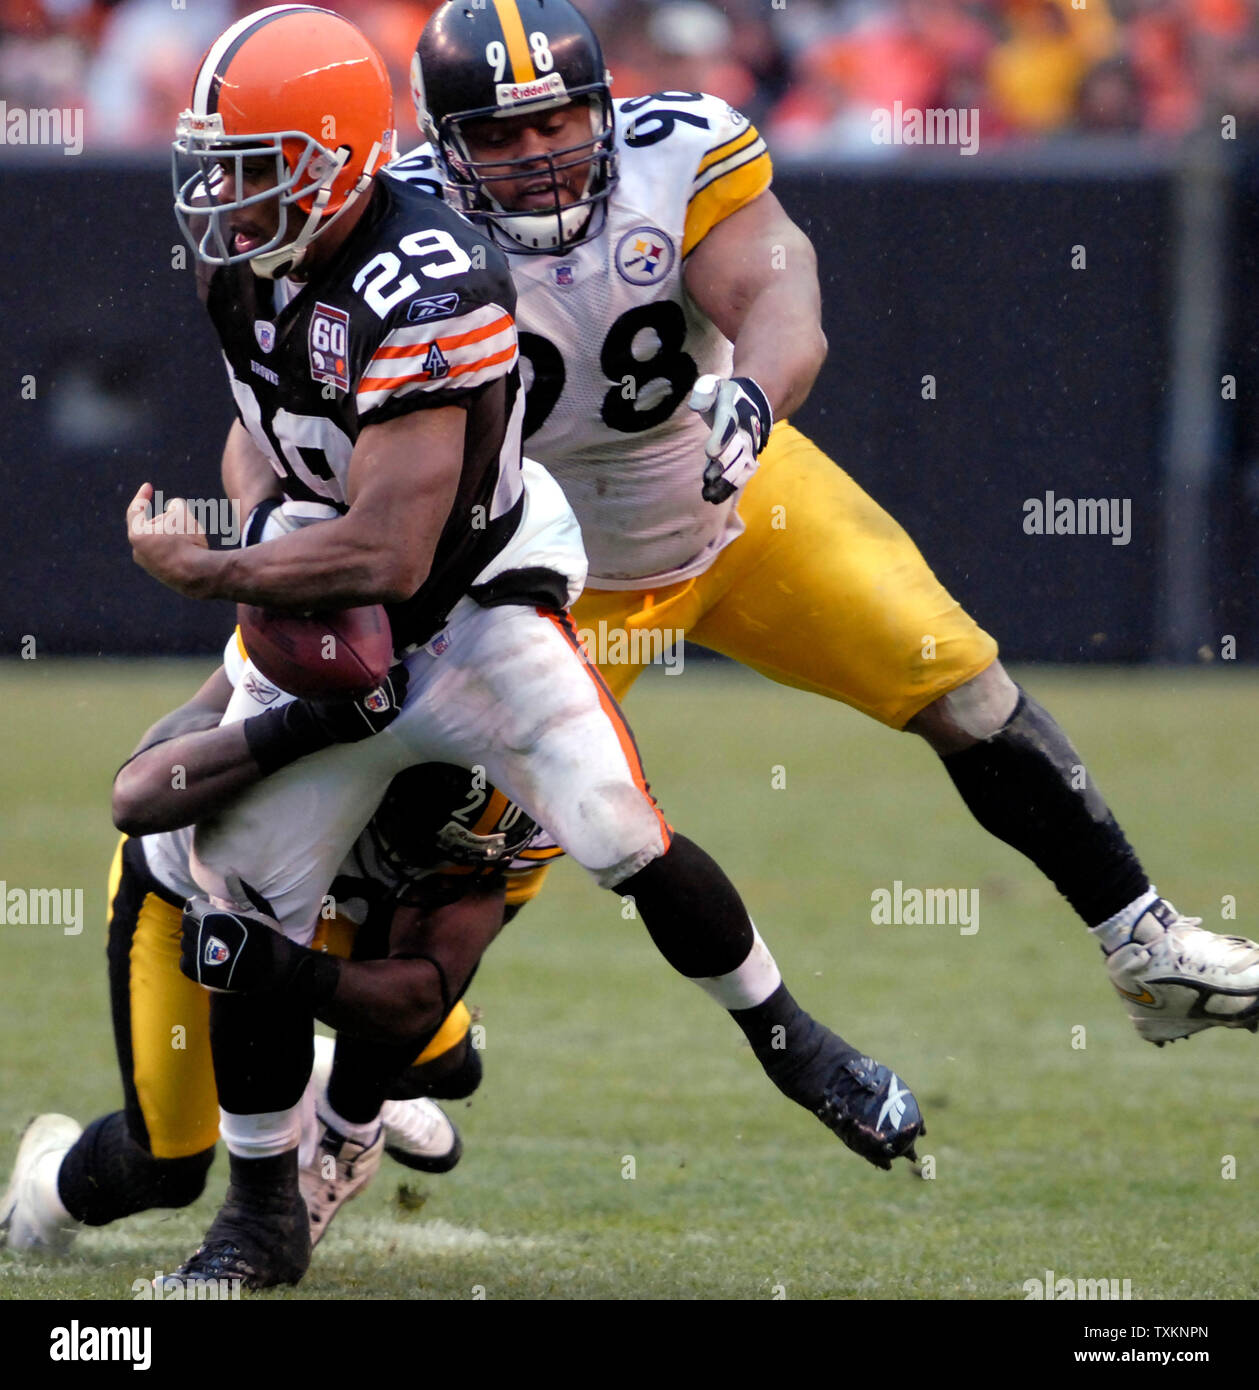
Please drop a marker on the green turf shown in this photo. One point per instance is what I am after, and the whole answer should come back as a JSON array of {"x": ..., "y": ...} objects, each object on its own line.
[{"x": 1098, "y": 1162}]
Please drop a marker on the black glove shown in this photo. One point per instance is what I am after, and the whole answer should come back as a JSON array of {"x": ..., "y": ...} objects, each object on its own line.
[
  {"x": 233, "y": 951},
  {"x": 281, "y": 736}
]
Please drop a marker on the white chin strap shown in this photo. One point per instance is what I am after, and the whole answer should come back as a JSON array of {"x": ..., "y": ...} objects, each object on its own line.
[
  {"x": 546, "y": 230},
  {"x": 285, "y": 259}
]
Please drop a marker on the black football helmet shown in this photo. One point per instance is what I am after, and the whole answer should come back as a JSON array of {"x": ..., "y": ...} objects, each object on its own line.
[
  {"x": 435, "y": 814},
  {"x": 508, "y": 58}
]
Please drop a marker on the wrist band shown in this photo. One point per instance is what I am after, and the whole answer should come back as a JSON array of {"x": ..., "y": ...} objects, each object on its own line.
[{"x": 278, "y": 737}]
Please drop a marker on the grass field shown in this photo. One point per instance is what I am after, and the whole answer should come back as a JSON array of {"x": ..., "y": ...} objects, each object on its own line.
[{"x": 1106, "y": 1160}]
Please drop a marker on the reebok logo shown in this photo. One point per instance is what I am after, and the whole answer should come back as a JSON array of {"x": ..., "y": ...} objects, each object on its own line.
[{"x": 893, "y": 1105}]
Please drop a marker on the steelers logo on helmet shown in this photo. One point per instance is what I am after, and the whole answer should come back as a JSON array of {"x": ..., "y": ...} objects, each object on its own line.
[
  {"x": 510, "y": 59},
  {"x": 644, "y": 255},
  {"x": 290, "y": 118}
]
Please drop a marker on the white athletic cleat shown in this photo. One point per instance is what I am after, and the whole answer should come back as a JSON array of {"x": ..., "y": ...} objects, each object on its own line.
[
  {"x": 339, "y": 1170},
  {"x": 31, "y": 1215},
  {"x": 1180, "y": 979},
  {"x": 420, "y": 1135}
]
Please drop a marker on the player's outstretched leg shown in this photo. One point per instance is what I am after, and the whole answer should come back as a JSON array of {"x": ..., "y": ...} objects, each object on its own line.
[
  {"x": 699, "y": 924},
  {"x": 65, "y": 1178},
  {"x": 1025, "y": 783},
  {"x": 262, "y": 1061}
]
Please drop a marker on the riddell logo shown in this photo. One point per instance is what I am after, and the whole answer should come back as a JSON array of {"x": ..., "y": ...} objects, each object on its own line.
[{"x": 513, "y": 93}]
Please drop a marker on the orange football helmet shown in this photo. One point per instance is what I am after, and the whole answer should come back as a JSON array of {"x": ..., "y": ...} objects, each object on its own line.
[{"x": 293, "y": 83}]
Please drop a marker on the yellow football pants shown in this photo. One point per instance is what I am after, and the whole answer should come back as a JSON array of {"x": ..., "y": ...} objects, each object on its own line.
[
  {"x": 162, "y": 1019},
  {"x": 824, "y": 591}
]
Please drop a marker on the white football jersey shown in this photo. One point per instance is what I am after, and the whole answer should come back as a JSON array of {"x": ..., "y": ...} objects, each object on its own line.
[{"x": 612, "y": 343}]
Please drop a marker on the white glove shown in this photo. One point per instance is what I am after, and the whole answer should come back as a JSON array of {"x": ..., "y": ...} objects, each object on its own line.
[{"x": 738, "y": 413}]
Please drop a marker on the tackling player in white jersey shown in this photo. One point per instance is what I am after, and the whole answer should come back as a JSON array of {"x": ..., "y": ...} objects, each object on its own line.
[{"x": 670, "y": 311}]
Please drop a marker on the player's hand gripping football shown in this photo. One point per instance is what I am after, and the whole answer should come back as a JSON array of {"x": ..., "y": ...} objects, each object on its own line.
[
  {"x": 165, "y": 544},
  {"x": 350, "y": 718},
  {"x": 294, "y": 730},
  {"x": 739, "y": 416},
  {"x": 232, "y": 950}
]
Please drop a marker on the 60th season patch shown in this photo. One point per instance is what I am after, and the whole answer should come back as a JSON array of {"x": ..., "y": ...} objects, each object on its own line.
[{"x": 329, "y": 342}]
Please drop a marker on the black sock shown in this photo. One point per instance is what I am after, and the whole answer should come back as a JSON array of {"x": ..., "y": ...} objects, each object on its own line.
[
  {"x": 363, "y": 1073},
  {"x": 108, "y": 1175},
  {"x": 268, "y": 1181},
  {"x": 692, "y": 911},
  {"x": 263, "y": 1047},
  {"x": 1019, "y": 786},
  {"x": 454, "y": 1075},
  {"x": 784, "y": 1038}
]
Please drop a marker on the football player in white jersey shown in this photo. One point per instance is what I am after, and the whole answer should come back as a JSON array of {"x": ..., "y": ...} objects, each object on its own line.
[
  {"x": 398, "y": 402},
  {"x": 669, "y": 309}
]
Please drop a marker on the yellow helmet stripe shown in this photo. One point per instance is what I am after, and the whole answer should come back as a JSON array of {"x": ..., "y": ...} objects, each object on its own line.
[{"x": 513, "y": 28}]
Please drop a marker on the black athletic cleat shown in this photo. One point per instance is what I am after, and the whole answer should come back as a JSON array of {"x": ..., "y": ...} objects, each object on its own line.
[
  {"x": 865, "y": 1104},
  {"x": 260, "y": 1237},
  {"x": 872, "y": 1111}
]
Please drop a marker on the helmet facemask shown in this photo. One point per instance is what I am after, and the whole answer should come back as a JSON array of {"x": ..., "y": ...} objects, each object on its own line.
[
  {"x": 532, "y": 231},
  {"x": 305, "y": 174}
]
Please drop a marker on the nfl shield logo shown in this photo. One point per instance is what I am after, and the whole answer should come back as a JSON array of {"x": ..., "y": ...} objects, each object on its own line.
[
  {"x": 377, "y": 702},
  {"x": 216, "y": 951},
  {"x": 563, "y": 275},
  {"x": 265, "y": 333}
]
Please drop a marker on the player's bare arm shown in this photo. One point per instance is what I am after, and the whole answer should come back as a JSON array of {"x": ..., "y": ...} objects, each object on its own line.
[
  {"x": 248, "y": 477},
  {"x": 403, "y": 477},
  {"x": 755, "y": 276},
  {"x": 189, "y": 766}
]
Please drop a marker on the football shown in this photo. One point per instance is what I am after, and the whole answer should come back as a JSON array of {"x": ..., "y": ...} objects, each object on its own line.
[{"x": 342, "y": 652}]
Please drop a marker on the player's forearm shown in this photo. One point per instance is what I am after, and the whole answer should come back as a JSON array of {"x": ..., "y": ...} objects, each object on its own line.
[
  {"x": 182, "y": 780},
  {"x": 388, "y": 1001},
  {"x": 248, "y": 476},
  {"x": 780, "y": 344},
  {"x": 337, "y": 564}
]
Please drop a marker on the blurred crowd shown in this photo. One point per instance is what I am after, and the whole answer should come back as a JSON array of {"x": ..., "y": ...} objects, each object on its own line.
[{"x": 809, "y": 72}]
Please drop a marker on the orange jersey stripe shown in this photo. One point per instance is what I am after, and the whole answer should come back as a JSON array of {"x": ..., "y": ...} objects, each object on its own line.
[
  {"x": 371, "y": 384},
  {"x": 473, "y": 335},
  {"x": 615, "y": 717}
]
